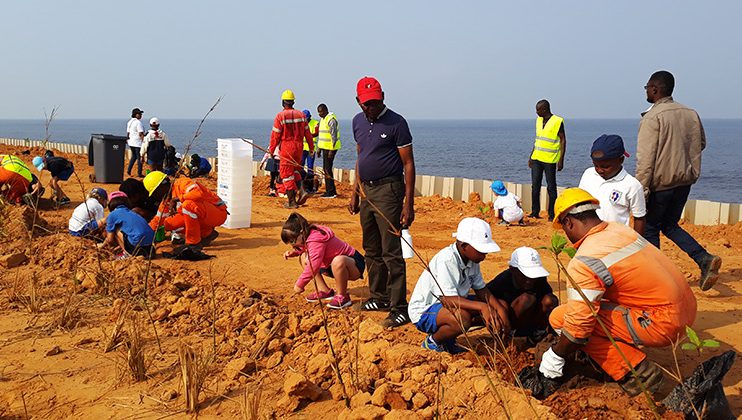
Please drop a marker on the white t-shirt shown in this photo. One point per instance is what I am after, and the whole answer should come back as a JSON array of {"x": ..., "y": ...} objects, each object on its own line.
[
  {"x": 454, "y": 277},
  {"x": 620, "y": 196},
  {"x": 134, "y": 127},
  {"x": 84, "y": 214},
  {"x": 511, "y": 211}
]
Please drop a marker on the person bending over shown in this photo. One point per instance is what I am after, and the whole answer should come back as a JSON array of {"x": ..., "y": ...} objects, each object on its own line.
[
  {"x": 127, "y": 229},
  {"x": 322, "y": 253},
  {"x": 89, "y": 218},
  {"x": 440, "y": 304}
]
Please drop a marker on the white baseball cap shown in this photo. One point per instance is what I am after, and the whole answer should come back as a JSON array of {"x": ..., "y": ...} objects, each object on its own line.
[
  {"x": 154, "y": 120},
  {"x": 477, "y": 233},
  {"x": 528, "y": 262}
]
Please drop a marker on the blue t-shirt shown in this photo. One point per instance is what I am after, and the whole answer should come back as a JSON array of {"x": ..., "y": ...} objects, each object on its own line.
[
  {"x": 379, "y": 143},
  {"x": 136, "y": 229},
  {"x": 204, "y": 166}
]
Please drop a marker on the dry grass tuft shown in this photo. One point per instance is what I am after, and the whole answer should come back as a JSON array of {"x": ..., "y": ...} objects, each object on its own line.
[
  {"x": 135, "y": 357},
  {"x": 250, "y": 405},
  {"x": 194, "y": 368},
  {"x": 34, "y": 300},
  {"x": 114, "y": 340},
  {"x": 69, "y": 316}
]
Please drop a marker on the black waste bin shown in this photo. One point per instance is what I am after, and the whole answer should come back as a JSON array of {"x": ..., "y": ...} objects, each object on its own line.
[{"x": 107, "y": 153}]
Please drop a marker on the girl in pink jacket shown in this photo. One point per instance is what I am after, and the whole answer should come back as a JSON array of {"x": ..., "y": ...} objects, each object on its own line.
[{"x": 321, "y": 252}]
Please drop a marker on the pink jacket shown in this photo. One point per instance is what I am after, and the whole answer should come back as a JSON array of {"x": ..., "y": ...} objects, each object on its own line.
[{"x": 322, "y": 247}]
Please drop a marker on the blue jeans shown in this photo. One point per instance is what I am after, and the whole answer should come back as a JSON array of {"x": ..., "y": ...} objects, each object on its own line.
[
  {"x": 538, "y": 169},
  {"x": 663, "y": 213}
]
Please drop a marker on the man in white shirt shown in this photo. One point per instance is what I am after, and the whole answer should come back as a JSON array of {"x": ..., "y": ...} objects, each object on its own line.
[
  {"x": 440, "y": 305},
  {"x": 621, "y": 195},
  {"x": 135, "y": 132}
]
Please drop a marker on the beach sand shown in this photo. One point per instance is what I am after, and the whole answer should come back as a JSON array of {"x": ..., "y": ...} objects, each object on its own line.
[{"x": 267, "y": 338}]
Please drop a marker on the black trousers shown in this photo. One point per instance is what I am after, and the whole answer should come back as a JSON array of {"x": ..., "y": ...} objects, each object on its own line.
[
  {"x": 664, "y": 209},
  {"x": 387, "y": 273},
  {"x": 135, "y": 157},
  {"x": 328, "y": 158},
  {"x": 538, "y": 169}
]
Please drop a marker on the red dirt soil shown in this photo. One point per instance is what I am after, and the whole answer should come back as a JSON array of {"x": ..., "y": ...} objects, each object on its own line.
[{"x": 59, "y": 309}]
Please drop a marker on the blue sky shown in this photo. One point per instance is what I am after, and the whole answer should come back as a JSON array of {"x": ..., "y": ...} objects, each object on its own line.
[{"x": 435, "y": 59}]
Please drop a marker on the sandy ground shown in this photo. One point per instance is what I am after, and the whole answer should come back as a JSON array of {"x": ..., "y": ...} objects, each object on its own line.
[{"x": 53, "y": 364}]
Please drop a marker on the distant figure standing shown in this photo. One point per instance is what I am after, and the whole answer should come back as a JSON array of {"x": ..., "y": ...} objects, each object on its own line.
[
  {"x": 547, "y": 156},
  {"x": 135, "y": 131},
  {"x": 290, "y": 128},
  {"x": 329, "y": 143},
  {"x": 384, "y": 193},
  {"x": 307, "y": 158},
  {"x": 155, "y": 144},
  {"x": 668, "y": 162}
]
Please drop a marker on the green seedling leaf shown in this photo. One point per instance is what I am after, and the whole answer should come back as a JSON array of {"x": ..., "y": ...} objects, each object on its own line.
[
  {"x": 558, "y": 242},
  {"x": 710, "y": 343},
  {"x": 570, "y": 251},
  {"x": 692, "y": 336},
  {"x": 688, "y": 346}
]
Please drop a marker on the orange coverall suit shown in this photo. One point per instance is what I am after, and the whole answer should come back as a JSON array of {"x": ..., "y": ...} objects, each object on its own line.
[
  {"x": 200, "y": 211},
  {"x": 290, "y": 128},
  {"x": 12, "y": 171},
  {"x": 640, "y": 295}
]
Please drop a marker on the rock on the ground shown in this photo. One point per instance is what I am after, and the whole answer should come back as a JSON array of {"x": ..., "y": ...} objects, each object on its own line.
[
  {"x": 366, "y": 412},
  {"x": 160, "y": 314},
  {"x": 181, "y": 307},
  {"x": 239, "y": 367},
  {"x": 395, "y": 401},
  {"x": 319, "y": 367},
  {"x": 402, "y": 415},
  {"x": 360, "y": 399},
  {"x": 419, "y": 401},
  {"x": 274, "y": 360},
  {"x": 296, "y": 385},
  {"x": 169, "y": 395},
  {"x": 13, "y": 260},
  {"x": 369, "y": 330},
  {"x": 54, "y": 351},
  {"x": 379, "y": 397}
]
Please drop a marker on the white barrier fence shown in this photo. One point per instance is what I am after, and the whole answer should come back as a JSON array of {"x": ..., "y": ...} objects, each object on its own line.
[{"x": 699, "y": 212}]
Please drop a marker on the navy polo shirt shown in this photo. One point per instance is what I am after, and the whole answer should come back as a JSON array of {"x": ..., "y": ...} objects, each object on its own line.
[{"x": 379, "y": 141}]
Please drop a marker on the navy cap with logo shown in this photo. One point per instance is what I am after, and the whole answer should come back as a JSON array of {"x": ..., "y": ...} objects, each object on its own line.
[{"x": 608, "y": 146}]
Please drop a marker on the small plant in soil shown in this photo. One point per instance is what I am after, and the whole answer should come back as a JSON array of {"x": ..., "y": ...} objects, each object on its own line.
[{"x": 695, "y": 343}]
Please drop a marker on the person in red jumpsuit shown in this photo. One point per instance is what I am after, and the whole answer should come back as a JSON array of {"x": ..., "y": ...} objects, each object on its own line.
[{"x": 290, "y": 128}]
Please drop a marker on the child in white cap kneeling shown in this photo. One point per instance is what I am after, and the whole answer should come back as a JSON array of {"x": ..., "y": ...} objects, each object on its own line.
[
  {"x": 530, "y": 299},
  {"x": 441, "y": 305}
]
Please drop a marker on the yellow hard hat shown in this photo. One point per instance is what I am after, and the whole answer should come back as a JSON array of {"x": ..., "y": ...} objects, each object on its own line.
[
  {"x": 567, "y": 200},
  {"x": 153, "y": 180},
  {"x": 288, "y": 95}
]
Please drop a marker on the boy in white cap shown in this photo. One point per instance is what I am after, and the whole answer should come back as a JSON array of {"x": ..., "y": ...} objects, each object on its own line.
[
  {"x": 527, "y": 294},
  {"x": 441, "y": 306}
]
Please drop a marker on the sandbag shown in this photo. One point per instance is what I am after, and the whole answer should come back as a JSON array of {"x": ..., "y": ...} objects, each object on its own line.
[{"x": 703, "y": 390}]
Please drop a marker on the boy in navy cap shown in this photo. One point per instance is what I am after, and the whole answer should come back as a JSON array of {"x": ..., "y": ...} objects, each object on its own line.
[{"x": 621, "y": 195}]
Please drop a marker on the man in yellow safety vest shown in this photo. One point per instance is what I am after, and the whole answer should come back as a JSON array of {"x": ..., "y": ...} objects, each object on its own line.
[
  {"x": 307, "y": 157},
  {"x": 547, "y": 156},
  {"x": 329, "y": 143}
]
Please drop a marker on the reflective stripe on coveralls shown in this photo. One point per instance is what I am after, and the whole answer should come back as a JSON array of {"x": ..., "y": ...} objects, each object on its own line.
[{"x": 547, "y": 146}]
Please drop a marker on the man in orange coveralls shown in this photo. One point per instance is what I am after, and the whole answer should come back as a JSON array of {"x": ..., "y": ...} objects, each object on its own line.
[
  {"x": 15, "y": 178},
  {"x": 199, "y": 210},
  {"x": 640, "y": 295},
  {"x": 290, "y": 128}
]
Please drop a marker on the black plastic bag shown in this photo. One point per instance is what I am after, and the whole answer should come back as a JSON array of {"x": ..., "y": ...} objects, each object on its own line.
[
  {"x": 539, "y": 385},
  {"x": 704, "y": 389}
]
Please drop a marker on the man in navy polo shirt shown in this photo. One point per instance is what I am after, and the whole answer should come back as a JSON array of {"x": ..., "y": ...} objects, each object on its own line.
[{"x": 384, "y": 192}]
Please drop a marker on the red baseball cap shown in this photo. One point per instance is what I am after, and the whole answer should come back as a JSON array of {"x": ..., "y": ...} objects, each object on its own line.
[{"x": 369, "y": 89}]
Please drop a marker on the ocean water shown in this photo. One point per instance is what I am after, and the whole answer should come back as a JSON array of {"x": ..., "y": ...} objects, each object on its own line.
[{"x": 478, "y": 149}]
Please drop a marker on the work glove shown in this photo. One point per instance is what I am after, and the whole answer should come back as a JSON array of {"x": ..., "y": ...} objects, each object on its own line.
[
  {"x": 535, "y": 381},
  {"x": 551, "y": 364}
]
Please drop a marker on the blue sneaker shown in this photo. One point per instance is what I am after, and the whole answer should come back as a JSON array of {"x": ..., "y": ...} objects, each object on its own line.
[{"x": 429, "y": 344}]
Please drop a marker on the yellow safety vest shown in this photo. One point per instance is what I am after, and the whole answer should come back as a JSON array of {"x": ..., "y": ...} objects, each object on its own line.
[
  {"x": 14, "y": 164},
  {"x": 547, "y": 148},
  {"x": 312, "y": 124},
  {"x": 325, "y": 138}
]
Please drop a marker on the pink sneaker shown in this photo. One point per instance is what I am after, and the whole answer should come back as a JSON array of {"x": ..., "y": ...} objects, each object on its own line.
[
  {"x": 317, "y": 296},
  {"x": 340, "y": 302}
]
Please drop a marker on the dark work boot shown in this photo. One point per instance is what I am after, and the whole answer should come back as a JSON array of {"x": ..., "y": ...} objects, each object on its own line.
[
  {"x": 649, "y": 373},
  {"x": 291, "y": 204},
  {"x": 710, "y": 265}
]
